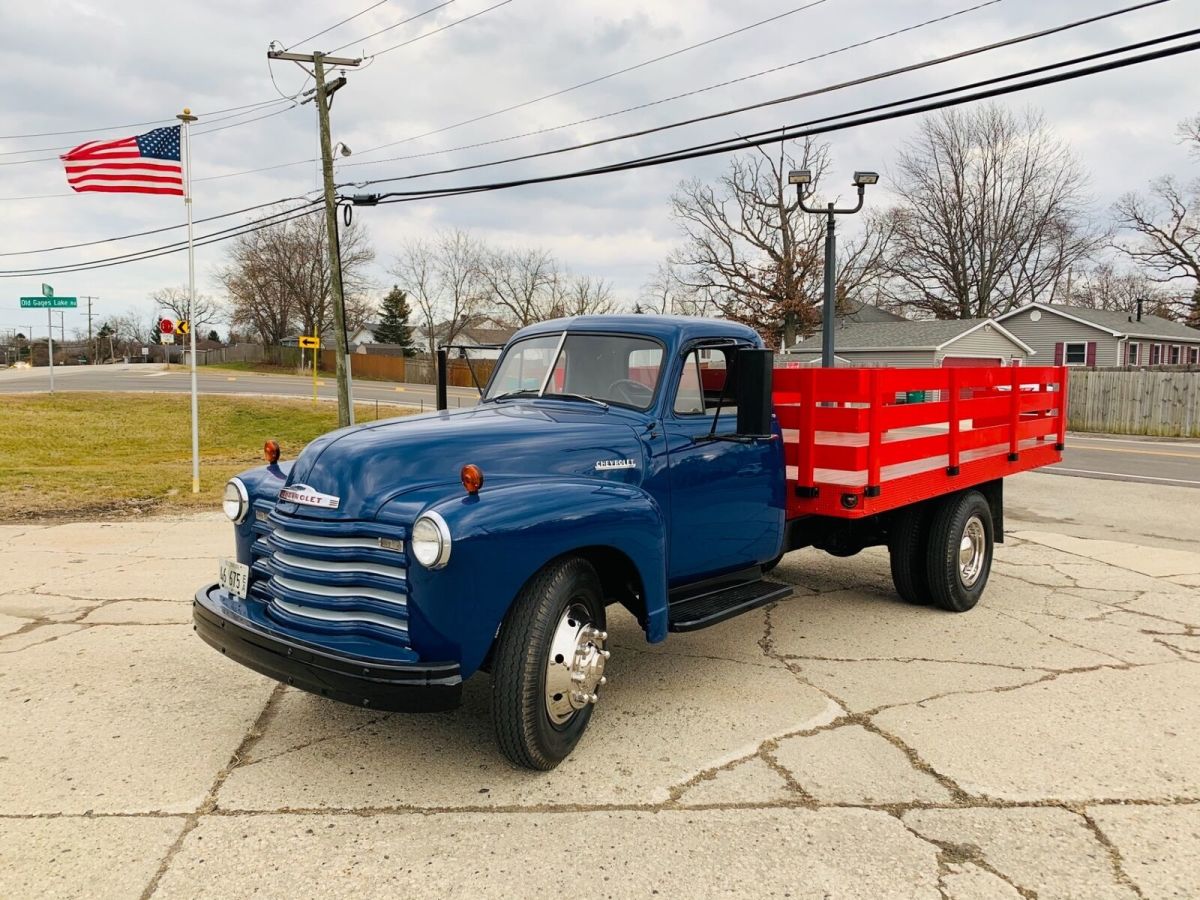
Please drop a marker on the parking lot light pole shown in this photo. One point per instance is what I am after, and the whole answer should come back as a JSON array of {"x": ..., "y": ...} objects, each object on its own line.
[{"x": 801, "y": 178}]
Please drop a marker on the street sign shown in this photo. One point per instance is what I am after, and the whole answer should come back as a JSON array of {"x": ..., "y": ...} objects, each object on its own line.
[
  {"x": 47, "y": 291},
  {"x": 166, "y": 326},
  {"x": 49, "y": 302},
  {"x": 167, "y": 338},
  {"x": 310, "y": 342},
  {"x": 183, "y": 326},
  {"x": 145, "y": 351}
]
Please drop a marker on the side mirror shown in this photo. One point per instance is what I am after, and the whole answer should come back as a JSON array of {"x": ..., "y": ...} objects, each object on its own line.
[{"x": 754, "y": 407}]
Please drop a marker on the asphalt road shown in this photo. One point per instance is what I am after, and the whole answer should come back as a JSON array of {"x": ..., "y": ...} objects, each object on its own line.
[
  {"x": 1145, "y": 460},
  {"x": 154, "y": 378}
]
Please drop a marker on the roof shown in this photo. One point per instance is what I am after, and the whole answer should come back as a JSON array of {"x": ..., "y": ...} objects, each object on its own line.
[
  {"x": 864, "y": 313},
  {"x": 1116, "y": 322},
  {"x": 665, "y": 328},
  {"x": 917, "y": 334}
]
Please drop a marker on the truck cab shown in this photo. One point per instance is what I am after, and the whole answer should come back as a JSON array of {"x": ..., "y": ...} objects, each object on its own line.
[{"x": 633, "y": 460}]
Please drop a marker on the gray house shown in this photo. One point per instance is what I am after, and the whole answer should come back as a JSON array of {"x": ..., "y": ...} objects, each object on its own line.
[
  {"x": 919, "y": 343},
  {"x": 1072, "y": 336}
]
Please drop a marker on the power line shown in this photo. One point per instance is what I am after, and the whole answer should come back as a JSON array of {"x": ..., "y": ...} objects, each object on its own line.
[
  {"x": 411, "y": 18},
  {"x": 426, "y": 34},
  {"x": 795, "y": 132},
  {"x": 137, "y": 234},
  {"x": 85, "y": 267},
  {"x": 362, "y": 12},
  {"x": 598, "y": 79},
  {"x": 22, "y": 162},
  {"x": 214, "y": 112},
  {"x": 864, "y": 115},
  {"x": 878, "y": 76},
  {"x": 166, "y": 249}
]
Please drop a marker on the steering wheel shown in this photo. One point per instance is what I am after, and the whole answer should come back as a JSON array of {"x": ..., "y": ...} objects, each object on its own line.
[{"x": 634, "y": 392}]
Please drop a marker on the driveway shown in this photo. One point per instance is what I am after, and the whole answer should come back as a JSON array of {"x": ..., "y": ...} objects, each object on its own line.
[{"x": 837, "y": 744}]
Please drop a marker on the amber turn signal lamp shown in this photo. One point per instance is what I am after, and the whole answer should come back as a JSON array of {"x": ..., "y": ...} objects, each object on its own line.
[
  {"x": 472, "y": 478},
  {"x": 271, "y": 452}
]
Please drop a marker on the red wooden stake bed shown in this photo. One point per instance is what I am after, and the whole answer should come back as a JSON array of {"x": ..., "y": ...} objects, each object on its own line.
[{"x": 858, "y": 442}]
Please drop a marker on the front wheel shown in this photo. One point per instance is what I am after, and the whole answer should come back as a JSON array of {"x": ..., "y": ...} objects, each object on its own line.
[
  {"x": 549, "y": 664},
  {"x": 959, "y": 553}
]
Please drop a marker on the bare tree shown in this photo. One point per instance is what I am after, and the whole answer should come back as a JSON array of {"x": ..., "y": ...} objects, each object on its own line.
[
  {"x": 520, "y": 282},
  {"x": 279, "y": 281},
  {"x": 754, "y": 253},
  {"x": 444, "y": 279},
  {"x": 205, "y": 311},
  {"x": 1166, "y": 228},
  {"x": 1106, "y": 287},
  {"x": 580, "y": 295},
  {"x": 992, "y": 214}
]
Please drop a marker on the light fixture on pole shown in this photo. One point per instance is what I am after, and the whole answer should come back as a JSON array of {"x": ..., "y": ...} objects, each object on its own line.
[{"x": 802, "y": 178}]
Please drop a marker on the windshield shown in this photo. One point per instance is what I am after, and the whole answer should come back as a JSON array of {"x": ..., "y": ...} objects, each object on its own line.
[{"x": 609, "y": 368}]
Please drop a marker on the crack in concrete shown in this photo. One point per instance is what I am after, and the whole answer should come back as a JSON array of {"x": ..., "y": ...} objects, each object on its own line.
[
  {"x": 1114, "y": 854},
  {"x": 253, "y": 735},
  {"x": 950, "y": 854}
]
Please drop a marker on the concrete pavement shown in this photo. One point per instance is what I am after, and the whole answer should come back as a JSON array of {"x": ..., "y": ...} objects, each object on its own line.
[{"x": 837, "y": 744}]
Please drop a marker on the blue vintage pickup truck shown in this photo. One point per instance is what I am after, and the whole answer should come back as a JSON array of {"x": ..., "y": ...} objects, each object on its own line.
[{"x": 633, "y": 460}]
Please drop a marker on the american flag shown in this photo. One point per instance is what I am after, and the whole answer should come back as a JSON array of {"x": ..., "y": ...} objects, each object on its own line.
[{"x": 145, "y": 164}]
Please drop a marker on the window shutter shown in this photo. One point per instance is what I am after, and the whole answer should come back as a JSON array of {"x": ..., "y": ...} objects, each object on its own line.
[
  {"x": 1058, "y": 353},
  {"x": 1091, "y": 354}
]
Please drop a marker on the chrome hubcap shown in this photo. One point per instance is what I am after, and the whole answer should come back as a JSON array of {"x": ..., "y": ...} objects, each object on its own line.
[
  {"x": 575, "y": 670},
  {"x": 972, "y": 551}
]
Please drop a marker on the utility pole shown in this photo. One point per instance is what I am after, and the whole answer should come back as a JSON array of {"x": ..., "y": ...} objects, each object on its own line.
[
  {"x": 324, "y": 91},
  {"x": 89, "y": 318}
]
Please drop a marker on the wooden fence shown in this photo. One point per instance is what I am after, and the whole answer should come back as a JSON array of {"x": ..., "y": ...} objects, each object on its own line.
[
  {"x": 385, "y": 367},
  {"x": 1132, "y": 401}
]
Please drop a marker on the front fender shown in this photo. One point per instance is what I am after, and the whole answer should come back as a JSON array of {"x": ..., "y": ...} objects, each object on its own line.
[
  {"x": 262, "y": 484},
  {"x": 505, "y": 534}
]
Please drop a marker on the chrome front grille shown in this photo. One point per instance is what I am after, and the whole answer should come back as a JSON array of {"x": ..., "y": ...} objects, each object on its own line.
[{"x": 334, "y": 577}]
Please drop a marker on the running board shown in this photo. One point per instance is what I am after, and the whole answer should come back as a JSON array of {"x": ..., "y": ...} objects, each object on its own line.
[{"x": 717, "y": 606}]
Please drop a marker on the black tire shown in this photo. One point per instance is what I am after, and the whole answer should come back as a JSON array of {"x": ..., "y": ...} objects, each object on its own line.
[
  {"x": 946, "y": 534},
  {"x": 907, "y": 538},
  {"x": 524, "y": 730}
]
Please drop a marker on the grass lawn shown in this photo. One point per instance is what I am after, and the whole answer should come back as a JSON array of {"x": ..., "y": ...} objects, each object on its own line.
[{"x": 91, "y": 454}]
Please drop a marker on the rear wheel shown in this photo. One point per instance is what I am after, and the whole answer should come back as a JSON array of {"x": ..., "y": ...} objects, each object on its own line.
[
  {"x": 549, "y": 664},
  {"x": 907, "y": 539},
  {"x": 959, "y": 553}
]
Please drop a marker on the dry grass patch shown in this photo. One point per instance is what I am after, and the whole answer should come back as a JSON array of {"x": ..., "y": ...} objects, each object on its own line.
[{"x": 88, "y": 454}]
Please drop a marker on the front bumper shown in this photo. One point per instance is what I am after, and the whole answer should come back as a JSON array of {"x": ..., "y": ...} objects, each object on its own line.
[{"x": 220, "y": 621}]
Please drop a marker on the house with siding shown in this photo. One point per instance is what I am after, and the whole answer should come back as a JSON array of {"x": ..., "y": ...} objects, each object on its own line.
[
  {"x": 1073, "y": 336},
  {"x": 919, "y": 343}
]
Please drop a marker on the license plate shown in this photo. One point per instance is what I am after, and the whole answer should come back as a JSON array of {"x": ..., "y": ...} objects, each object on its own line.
[{"x": 235, "y": 577}]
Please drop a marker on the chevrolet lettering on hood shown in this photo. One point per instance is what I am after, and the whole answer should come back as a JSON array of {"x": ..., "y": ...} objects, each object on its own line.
[
  {"x": 604, "y": 465},
  {"x": 303, "y": 494}
]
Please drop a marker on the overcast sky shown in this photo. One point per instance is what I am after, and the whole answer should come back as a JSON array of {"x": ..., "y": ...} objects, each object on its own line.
[{"x": 80, "y": 64}]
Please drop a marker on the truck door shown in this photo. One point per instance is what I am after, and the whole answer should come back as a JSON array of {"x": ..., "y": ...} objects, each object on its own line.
[{"x": 727, "y": 504}]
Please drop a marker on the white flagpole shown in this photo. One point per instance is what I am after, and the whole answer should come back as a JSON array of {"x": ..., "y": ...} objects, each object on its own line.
[{"x": 187, "y": 119}]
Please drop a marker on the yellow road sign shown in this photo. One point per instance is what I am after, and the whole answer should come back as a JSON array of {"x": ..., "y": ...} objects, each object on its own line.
[
  {"x": 310, "y": 342},
  {"x": 183, "y": 326}
]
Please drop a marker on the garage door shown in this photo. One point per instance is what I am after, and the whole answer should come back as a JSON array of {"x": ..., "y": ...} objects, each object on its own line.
[{"x": 950, "y": 362}]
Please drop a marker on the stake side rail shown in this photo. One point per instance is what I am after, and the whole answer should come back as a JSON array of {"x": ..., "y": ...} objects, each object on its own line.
[{"x": 863, "y": 441}]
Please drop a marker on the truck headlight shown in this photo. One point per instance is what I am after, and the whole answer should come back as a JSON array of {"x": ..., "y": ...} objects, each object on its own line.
[
  {"x": 431, "y": 541},
  {"x": 236, "y": 501}
]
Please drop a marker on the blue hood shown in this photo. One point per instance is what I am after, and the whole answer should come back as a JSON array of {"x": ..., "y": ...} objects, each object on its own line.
[{"x": 366, "y": 466}]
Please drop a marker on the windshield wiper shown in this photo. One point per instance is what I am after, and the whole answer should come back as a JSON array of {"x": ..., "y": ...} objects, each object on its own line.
[
  {"x": 509, "y": 394},
  {"x": 599, "y": 403}
]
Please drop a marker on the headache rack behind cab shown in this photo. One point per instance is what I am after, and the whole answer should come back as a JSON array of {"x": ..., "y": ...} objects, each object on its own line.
[{"x": 863, "y": 441}]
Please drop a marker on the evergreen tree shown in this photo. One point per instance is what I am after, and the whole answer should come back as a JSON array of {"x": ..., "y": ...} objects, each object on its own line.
[{"x": 393, "y": 323}]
